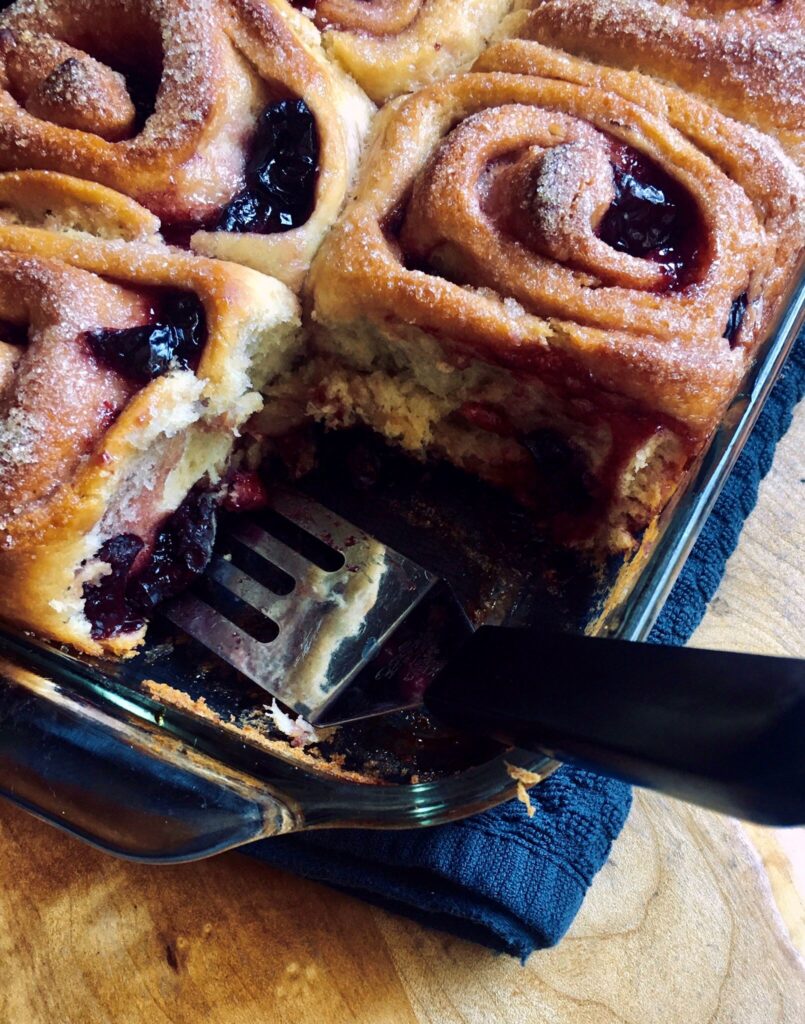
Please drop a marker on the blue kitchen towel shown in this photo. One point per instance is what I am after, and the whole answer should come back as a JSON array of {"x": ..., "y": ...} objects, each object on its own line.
[{"x": 501, "y": 878}]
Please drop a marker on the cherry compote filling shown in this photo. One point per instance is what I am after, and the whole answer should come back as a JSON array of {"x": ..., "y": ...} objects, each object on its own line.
[
  {"x": 564, "y": 482},
  {"x": 181, "y": 552},
  {"x": 142, "y": 90},
  {"x": 652, "y": 216},
  {"x": 174, "y": 339},
  {"x": 736, "y": 318},
  {"x": 121, "y": 601},
  {"x": 281, "y": 173},
  {"x": 13, "y": 334},
  {"x": 245, "y": 492},
  {"x": 105, "y": 604}
]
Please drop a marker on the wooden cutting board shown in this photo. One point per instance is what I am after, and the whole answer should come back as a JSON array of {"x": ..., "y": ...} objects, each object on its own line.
[{"x": 696, "y": 919}]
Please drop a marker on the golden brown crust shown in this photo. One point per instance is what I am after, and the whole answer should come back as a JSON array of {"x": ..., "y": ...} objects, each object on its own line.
[
  {"x": 475, "y": 222},
  {"x": 396, "y": 46},
  {"x": 85, "y": 453},
  {"x": 57, "y": 202},
  {"x": 211, "y": 67},
  {"x": 747, "y": 59}
]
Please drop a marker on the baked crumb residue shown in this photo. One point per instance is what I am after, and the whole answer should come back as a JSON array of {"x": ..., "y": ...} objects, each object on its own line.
[
  {"x": 525, "y": 779},
  {"x": 251, "y": 727}
]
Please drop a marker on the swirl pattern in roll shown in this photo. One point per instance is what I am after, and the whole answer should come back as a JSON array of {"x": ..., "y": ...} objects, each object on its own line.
[
  {"x": 222, "y": 117},
  {"x": 746, "y": 58},
  {"x": 555, "y": 275},
  {"x": 396, "y": 46},
  {"x": 125, "y": 372}
]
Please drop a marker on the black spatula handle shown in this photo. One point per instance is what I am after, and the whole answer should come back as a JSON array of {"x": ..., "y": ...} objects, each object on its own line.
[{"x": 720, "y": 729}]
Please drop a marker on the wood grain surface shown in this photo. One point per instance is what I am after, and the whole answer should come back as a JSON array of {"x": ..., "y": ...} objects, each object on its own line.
[{"x": 696, "y": 919}]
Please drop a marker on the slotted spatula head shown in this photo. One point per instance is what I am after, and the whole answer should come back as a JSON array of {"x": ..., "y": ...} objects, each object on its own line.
[{"x": 299, "y": 600}]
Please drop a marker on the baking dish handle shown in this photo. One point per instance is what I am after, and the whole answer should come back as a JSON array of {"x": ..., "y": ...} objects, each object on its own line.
[{"x": 121, "y": 783}]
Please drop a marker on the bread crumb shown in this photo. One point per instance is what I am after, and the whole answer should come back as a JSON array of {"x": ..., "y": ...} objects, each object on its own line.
[{"x": 524, "y": 779}]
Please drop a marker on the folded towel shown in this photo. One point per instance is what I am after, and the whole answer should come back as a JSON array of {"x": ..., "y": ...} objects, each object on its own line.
[{"x": 501, "y": 878}]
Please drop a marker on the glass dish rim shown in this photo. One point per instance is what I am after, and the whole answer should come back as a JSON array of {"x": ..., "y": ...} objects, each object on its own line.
[{"x": 329, "y": 801}]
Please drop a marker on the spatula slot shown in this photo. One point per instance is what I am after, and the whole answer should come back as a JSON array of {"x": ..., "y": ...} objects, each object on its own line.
[
  {"x": 254, "y": 622},
  {"x": 300, "y": 541},
  {"x": 253, "y": 564}
]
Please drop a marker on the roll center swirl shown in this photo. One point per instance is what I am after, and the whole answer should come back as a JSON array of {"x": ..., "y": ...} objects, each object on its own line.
[
  {"x": 556, "y": 195},
  {"x": 58, "y": 83}
]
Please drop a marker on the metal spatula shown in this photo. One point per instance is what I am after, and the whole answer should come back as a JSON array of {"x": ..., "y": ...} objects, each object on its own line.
[
  {"x": 722, "y": 729},
  {"x": 300, "y": 601}
]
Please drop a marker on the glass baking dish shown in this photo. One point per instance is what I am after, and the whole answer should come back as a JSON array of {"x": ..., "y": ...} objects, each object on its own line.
[{"x": 160, "y": 759}]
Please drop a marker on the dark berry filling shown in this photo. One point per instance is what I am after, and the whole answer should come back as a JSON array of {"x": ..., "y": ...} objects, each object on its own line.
[
  {"x": 13, "y": 334},
  {"x": 564, "y": 482},
  {"x": 651, "y": 216},
  {"x": 736, "y": 317},
  {"x": 182, "y": 551},
  {"x": 280, "y": 173},
  {"x": 121, "y": 601},
  {"x": 487, "y": 417},
  {"x": 245, "y": 492},
  {"x": 173, "y": 340},
  {"x": 142, "y": 90},
  {"x": 105, "y": 603}
]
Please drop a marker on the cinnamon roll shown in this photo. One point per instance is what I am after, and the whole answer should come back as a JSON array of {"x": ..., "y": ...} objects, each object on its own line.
[
  {"x": 223, "y": 118},
  {"x": 746, "y": 57},
  {"x": 555, "y": 275},
  {"x": 395, "y": 46},
  {"x": 126, "y": 371}
]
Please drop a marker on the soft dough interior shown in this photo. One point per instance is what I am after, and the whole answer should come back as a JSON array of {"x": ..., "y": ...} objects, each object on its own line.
[{"x": 479, "y": 417}]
